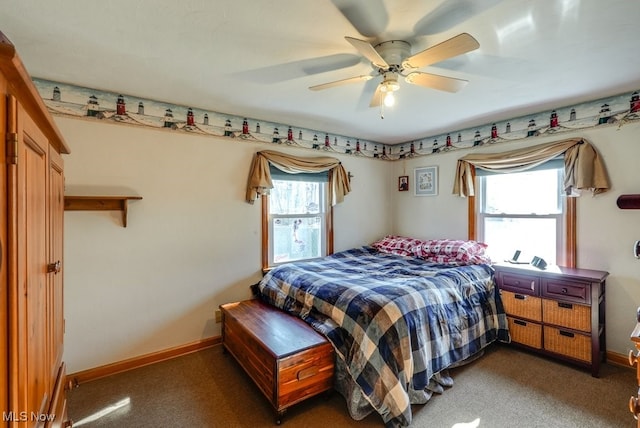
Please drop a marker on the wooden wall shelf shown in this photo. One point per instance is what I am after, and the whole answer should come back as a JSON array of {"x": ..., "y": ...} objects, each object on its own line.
[
  {"x": 628, "y": 202},
  {"x": 99, "y": 203}
]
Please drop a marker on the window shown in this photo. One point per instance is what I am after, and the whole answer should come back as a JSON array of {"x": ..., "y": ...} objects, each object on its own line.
[
  {"x": 296, "y": 218},
  {"x": 526, "y": 211}
]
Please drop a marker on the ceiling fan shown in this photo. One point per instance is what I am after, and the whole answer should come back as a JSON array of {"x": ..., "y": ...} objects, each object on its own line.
[{"x": 392, "y": 59}]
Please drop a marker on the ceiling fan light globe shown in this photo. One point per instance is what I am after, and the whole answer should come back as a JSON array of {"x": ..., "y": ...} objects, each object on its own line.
[{"x": 389, "y": 99}]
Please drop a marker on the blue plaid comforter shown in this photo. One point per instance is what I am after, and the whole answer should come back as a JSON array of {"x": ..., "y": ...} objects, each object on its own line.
[{"x": 395, "y": 321}]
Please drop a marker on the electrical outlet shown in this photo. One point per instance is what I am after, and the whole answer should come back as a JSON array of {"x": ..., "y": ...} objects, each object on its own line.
[{"x": 218, "y": 316}]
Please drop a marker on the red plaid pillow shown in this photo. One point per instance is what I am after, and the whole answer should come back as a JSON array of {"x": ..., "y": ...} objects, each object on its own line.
[
  {"x": 400, "y": 245},
  {"x": 454, "y": 251}
]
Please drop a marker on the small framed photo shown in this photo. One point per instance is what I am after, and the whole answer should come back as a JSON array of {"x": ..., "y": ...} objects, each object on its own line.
[
  {"x": 426, "y": 181},
  {"x": 403, "y": 183}
]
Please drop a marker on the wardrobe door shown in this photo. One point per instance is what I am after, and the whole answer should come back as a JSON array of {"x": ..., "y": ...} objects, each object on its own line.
[
  {"x": 55, "y": 267},
  {"x": 31, "y": 379}
]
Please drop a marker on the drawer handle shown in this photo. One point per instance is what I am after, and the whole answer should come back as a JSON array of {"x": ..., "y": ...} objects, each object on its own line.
[
  {"x": 533, "y": 283},
  {"x": 520, "y": 322},
  {"x": 308, "y": 372},
  {"x": 565, "y": 305},
  {"x": 520, "y": 296},
  {"x": 566, "y": 333}
]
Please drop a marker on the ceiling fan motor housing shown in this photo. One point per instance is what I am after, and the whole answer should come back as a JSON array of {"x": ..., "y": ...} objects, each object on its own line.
[{"x": 394, "y": 52}]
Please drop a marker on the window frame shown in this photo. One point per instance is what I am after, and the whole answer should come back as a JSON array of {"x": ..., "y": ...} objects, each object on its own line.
[
  {"x": 566, "y": 256},
  {"x": 328, "y": 210}
]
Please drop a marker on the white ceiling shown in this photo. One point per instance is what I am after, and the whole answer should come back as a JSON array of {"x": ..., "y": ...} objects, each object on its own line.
[{"x": 257, "y": 58}]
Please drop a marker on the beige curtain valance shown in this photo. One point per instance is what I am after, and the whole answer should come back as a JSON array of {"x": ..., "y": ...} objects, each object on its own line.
[
  {"x": 584, "y": 170},
  {"x": 260, "y": 178}
]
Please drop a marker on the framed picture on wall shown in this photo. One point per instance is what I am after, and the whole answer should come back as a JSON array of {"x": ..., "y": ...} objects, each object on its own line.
[
  {"x": 403, "y": 183},
  {"x": 426, "y": 181}
]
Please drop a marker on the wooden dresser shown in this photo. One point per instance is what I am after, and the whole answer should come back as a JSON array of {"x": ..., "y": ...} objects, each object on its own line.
[
  {"x": 558, "y": 311},
  {"x": 32, "y": 393},
  {"x": 285, "y": 357}
]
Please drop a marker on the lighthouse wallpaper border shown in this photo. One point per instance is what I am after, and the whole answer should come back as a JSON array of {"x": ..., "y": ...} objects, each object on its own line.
[{"x": 70, "y": 100}]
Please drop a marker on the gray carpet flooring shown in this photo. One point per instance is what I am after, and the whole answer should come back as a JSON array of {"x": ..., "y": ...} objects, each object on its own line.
[{"x": 507, "y": 387}]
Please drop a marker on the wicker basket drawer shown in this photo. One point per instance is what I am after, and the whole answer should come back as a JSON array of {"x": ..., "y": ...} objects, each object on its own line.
[
  {"x": 567, "y": 343},
  {"x": 569, "y": 315},
  {"x": 525, "y": 332},
  {"x": 522, "y": 305}
]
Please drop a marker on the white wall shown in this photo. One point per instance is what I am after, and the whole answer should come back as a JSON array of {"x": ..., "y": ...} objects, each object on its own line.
[
  {"x": 191, "y": 244},
  {"x": 605, "y": 233}
]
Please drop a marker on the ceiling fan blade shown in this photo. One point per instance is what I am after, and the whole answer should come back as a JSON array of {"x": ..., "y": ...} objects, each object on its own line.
[
  {"x": 301, "y": 68},
  {"x": 451, "y": 13},
  {"x": 376, "y": 99},
  {"x": 340, "y": 82},
  {"x": 458, "y": 45},
  {"x": 442, "y": 83},
  {"x": 368, "y": 52},
  {"x": 369, "y": 18}
]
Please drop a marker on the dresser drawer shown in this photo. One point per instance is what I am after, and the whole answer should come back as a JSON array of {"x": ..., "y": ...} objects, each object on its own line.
[
  {"x": 569, "y": 315},
  {"x": 519, "y": 283},
  {"x": 522, "y": 305},
  {"x": 525, "y": 332},
  {"x": 567, "y": 290},
  {"x": 567, "y": 343}
]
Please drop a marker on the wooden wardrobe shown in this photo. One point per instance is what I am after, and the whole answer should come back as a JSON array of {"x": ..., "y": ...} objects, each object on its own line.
[{"x": 31, "y": 268}]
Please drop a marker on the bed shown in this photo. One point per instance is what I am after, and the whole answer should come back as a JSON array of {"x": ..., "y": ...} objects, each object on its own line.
[{"x": 399, "y": 313}]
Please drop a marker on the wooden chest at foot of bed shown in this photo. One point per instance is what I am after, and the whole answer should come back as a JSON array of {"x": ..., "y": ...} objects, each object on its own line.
[{"x": 285, "y": 357}]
